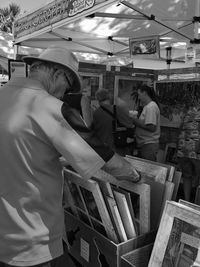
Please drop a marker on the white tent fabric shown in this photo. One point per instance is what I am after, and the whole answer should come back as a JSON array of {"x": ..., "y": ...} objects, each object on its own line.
[
  {"x": 7, "y": 49},
  {"x": 112, "y": 23}
]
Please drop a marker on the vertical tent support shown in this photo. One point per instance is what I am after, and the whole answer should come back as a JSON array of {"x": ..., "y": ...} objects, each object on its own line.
[{"x": 196, "y": 23}]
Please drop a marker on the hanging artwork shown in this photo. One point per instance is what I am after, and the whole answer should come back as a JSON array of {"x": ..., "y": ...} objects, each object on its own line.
[
  {"x": 145, "y": 45},
  {"x": 17, "y": 68}
]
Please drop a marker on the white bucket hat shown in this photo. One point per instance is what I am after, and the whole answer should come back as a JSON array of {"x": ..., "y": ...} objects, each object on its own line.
[{"x": 62, "y": 56}]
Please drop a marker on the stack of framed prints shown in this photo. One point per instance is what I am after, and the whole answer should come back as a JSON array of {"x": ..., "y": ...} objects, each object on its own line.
[
  {"x": 178, "y": 239},
  {"x": 87, "y": 202},
  {"x": 163, "y": 180},
  {"x": 118, "y": 210},
  {"x": 105, "y": 218}
]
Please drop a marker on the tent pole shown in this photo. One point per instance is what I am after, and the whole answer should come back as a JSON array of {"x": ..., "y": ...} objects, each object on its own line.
[
  {"x": 16, "y": 51},
  {"x": 196, "y": 23}
]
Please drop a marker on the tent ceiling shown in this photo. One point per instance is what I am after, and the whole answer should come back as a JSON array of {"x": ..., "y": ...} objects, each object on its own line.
[{"x": 107, "y": 30}]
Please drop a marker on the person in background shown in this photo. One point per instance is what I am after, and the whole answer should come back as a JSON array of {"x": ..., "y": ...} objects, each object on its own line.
[
  {"x": 81, "y": 103},
  {"x": 148, "y": 124},
  {"x": 103, "y": 118},
  {"x": 188, "y": 150},
  {"x": 33, "y": 136}
]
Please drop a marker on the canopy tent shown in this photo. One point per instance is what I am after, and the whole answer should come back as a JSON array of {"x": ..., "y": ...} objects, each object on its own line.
[
  {"x": 103, "y": 27},
  {"x": 7, "y": 50}
]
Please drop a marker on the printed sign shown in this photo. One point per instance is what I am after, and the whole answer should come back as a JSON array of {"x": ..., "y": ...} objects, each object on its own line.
[{"x": 53, "y": 12}]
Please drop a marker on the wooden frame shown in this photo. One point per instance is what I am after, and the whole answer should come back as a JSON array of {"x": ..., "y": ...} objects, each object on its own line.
[
  {"x": 126, "y": 216},
  {"x": 189, "y": 204},
  {"x": 157, "y": 176},
  {"x": 17, "y": 68},
  {"x": 117, "y": 220},
  {"x": 89, "y": 86},
  {"x": 170, "y": 154},
  {"x": 142, "y": 190},
  {"x": 197, "y": 195},
  {"x": 126, "y": 87},
  {"x": 157, "y": 171},
  {"x": 144, "y": 45},
  {"x": 86, "y": 198},
  {"x": 180, "y": 226}
]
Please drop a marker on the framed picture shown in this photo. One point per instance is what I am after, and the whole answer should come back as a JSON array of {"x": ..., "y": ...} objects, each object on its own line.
[
  {"x": 91, "y": 83},
  {"x": 125, "y": 90},
  {"x": 158, "y": 172},
  {"x": 125, "y": 213},
  {"x": 140, "y": 197},
  {"x": 117, "y": 219},
  {"x": 178, "y": 239},
  {"x": 17, "y": 68},
  {"x": 170, "y": 154},
  {"x": 159, "y": 177},
  {"x": 88, "y": 202},
  {"x": 146, "y": 45}
]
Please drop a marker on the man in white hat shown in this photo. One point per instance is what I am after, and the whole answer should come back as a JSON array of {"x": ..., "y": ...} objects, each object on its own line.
[{"x": 33, "y": 136}]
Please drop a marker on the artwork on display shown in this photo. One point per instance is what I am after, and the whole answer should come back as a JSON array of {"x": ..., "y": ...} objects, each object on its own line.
[
  {"x": 170, "y": 153},
  {"x": 145, "y": 45},
  {"x": 140, "y": 197},
  {"x": 160, "y": 177},
  {"x": 177, "y": 242},
  {"x": 88, "y": 202},
  {"x": 91, "y": 83},
  {"x": 124, "y": 210},
  {"x": 175, "y": 97},
  {"x": 117, "y": 220},
  {"x": 17, "y": 68},
  {"x": 125, "y": 91}
]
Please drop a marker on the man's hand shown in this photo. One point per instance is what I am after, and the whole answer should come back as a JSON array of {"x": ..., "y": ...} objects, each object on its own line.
[{"x": 121, "y": 169}]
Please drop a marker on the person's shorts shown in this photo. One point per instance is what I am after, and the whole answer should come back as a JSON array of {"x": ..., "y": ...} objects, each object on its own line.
[{"x": 190, "y": 167}]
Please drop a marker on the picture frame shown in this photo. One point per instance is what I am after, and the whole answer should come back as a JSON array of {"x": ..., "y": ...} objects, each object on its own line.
[
  {"x": 160, "y": 179},
  {"x": 93, "y": 209},
  {"x": 91, "y": 83},
  {"x": 17, "y": 68},
  {"x": 125, "y": 213},
  {"x": 141, "y": 191},
  {"x": 145, "y": 45},
  {"x": 170, "y": 154},
  {"x": 117, "y": 220},
  {"x": 178, "y": 233},
  {"x": 149, "y": 168},
  {"x": 125, "y": 90}
]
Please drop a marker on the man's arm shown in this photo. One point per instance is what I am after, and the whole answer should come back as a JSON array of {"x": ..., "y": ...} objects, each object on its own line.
[
  {"x": 140, "y": 123},
  {"x": 114, "y": 164}
]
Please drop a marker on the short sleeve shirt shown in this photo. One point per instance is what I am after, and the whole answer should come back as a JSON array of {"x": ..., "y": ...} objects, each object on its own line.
[
  {"x": 33, "y": 136},
  {"x": 150, "y": 115}
]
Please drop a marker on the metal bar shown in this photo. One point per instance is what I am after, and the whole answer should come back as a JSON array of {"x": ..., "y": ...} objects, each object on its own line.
[
  {"x": 71, "y": 40},
  {"x": 137, "y": 17},
  {"x": 196, "y": 23},
  {"x": 152, "y": 17},
  {"x": 167, "y": 32}
]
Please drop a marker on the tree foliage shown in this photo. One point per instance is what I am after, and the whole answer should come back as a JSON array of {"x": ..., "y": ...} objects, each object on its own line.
[{"x": 7, "y": 16}]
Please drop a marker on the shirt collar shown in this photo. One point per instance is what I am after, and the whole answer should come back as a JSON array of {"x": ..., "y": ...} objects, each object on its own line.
[{"x": 24, "y": 82}]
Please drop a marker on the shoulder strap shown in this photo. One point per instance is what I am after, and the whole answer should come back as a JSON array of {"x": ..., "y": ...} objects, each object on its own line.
[
  {"x": 108, "y": 111},
  {"x": 114, "y": 116}
]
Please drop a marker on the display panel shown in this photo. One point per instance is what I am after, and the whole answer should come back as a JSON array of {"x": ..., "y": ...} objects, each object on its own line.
[{"x": 17, "y": 68}]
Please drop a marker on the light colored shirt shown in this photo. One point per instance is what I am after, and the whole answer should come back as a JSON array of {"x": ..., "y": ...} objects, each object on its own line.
[
  {"x": 33, "y": 135},
  {"x": 150, "y": 115}
]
